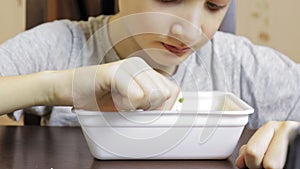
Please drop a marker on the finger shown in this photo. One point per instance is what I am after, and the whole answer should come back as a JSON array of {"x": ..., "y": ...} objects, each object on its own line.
[
  {"x": 276, "y": 154},
  {"x": 168, "y": 84},
  {"x": 240, "y": 161},
  {"x": 124, "y": 84},
  {"x": 149, "y": 81},
  {"x": 123, "y": 78},
  {"x": 173, "y": 88},
  {"x": 154, "y": 90},
  {"x": 173, "y": 91},
  {"x": 122, "y": 103},
  {"x": 157, "y": 91},
  {"x": 160, "y": 81},
  {"x": 258, "y": 145},
  {"x": 172, "y": 103}
]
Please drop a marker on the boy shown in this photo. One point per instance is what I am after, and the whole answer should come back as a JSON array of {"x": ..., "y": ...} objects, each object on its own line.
[{"x": 177, "y": 39}]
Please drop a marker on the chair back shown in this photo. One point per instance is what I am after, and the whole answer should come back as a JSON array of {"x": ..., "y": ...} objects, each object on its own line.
[{"x": 229, "y": 21}]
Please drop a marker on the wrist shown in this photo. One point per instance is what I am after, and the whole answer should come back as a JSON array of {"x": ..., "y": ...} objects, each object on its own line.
[{"x": 57, "y": 88}]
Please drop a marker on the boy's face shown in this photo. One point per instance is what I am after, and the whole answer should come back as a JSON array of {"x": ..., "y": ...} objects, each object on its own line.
[{"x": 170, "y": 30}]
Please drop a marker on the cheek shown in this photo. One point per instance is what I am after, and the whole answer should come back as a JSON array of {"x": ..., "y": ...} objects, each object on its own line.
[
  {"x": 209, "y": 33},
  {"x": 211, "y": 22},
  {"x": 148, "y": 41},
  {"x": 210, "y": 28}
]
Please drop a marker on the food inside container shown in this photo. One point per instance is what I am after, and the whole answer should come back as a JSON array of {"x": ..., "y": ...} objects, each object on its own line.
[{"x": 208, "y": 126}]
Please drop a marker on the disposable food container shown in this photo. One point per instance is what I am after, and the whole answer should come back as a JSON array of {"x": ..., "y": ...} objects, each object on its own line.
[{"x": 208, "y": 126}]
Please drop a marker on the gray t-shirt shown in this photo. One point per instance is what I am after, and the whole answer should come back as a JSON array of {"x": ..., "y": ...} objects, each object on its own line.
[{"x": 262, "y": 77}]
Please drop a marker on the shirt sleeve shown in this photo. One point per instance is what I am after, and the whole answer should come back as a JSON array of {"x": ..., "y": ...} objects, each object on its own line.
[
  {"x": 50, "y": 46},
  {"x": 270, "y": 82},
  {"x": 45, "y": 47}
]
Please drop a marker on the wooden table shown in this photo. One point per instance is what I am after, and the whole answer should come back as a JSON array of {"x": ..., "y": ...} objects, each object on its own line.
[{"x": 34, "y": 147}]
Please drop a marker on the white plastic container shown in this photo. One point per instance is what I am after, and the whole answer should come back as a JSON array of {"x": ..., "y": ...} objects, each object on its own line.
[{"x": 208, "y": 127}]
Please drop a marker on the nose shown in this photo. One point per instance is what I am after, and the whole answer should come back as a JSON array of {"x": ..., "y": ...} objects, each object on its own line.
[{"x": 187, "y": 27}]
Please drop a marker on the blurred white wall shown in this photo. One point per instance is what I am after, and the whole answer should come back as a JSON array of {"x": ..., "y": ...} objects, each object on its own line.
[
  {"x": 12, "y": 18},
  {"x": 271, "y": 23}
]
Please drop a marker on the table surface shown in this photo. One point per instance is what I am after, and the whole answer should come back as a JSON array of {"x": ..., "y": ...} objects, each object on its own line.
[{"x": 35, "y": 147}]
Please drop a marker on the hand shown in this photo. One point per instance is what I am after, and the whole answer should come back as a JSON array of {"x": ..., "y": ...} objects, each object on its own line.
[
  {"x": 130, "y": 83},
  {"x": 133, "y": 84},
  {"x": 267, "y": 148}
]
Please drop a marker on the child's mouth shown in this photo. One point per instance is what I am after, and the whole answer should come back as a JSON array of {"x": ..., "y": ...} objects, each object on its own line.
[{"x": 176, "y": 50}]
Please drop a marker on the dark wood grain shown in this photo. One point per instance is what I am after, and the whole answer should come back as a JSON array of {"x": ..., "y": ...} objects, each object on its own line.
[
  {"x": 41, "y": 11},
  {"x": 34, "y": 147}
]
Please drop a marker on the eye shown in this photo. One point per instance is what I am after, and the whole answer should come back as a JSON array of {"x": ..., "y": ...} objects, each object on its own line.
[{"x": 213, "y": 6}]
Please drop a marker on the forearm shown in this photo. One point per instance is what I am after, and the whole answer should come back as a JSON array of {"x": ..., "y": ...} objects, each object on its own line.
[
  {"x": 73, "y": 87},
  {"x": 17, "y": 92},
  {"x": 84, "y": 87}
]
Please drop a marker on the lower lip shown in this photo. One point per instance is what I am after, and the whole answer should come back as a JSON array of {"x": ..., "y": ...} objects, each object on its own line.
[{"x": 175, "y": 50}]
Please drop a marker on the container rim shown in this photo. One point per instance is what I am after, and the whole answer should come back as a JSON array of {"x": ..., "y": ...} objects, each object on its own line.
[{"x": 244, "y": 108}]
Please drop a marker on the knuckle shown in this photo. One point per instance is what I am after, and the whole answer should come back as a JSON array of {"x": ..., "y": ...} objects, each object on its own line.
[
  {"x": 156, "y": 94},
  {"x": 175, "y": 90},
  {"x": 271, "y": 123},
  {"x": 166, "y": 93},
  {"x": 242, "y": 149},
  {"x": 285, "y": 125},
  {"x": 251, "y": 152},
  {"x": 289, "y": 124},
  {"x": 136, "y": 96}
]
